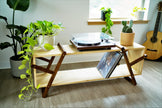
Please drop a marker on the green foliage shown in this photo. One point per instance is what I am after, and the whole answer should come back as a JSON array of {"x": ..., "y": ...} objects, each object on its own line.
[
  {"x": 27, "y": 91},
  {"x": 16, "y": 31},
  {"x": 127, "y": 29},
  {"x": 46, "y": 28},
  {"x": 109, "y": 23},
  {"x": 34, "y": 30}
]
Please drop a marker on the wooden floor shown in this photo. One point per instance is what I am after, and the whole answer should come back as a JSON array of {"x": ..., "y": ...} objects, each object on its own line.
[{"x": 110, "y": 93}]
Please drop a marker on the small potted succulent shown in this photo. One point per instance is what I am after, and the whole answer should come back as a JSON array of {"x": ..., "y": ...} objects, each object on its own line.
[
  {"x": 127, "y": 34},
  {"x": 106, "y": 16}
]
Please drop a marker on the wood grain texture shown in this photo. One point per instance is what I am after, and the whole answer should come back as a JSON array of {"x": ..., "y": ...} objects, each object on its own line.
[
  {"x": 117, "y": 93},
  {"x": 98, "y": 21},
  {"x": 71, "y": 50}
]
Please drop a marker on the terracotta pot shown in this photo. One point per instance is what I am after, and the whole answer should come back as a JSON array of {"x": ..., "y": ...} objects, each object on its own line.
[{"x": 127, "y": 39}]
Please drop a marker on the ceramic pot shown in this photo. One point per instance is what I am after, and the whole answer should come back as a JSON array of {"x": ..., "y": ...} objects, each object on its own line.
[
  {"x": 127, "y": 39},
  {"x": 140, "y": 15},
  {"x": 45, "y": 39},
  {"x": 14, "y": 67},
  {"x": 103, "y": 15}
]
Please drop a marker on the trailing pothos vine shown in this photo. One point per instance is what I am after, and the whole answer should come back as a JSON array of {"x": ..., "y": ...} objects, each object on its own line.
[
  {"x": 27, "y": 91},
  {"x": 109, "y": 23}
]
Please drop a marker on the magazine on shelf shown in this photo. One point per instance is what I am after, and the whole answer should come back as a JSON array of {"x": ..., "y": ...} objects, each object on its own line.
[{"x": 108, "y": 63}]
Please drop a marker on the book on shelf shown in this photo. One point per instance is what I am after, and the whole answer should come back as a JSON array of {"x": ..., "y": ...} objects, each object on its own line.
[{"x": 108, "y": 63}]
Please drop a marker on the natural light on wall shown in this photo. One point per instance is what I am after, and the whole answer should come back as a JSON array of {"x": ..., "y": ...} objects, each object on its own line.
[{"x": 120, "y": 8}]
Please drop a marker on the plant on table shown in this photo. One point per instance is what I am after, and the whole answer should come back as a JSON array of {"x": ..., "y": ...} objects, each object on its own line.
[
  {"x": 109, "y": 23},
  {"x": 127, "y": 29},
  {"x": 34, "y": 30},
  {"x": 127, "y": 34}
]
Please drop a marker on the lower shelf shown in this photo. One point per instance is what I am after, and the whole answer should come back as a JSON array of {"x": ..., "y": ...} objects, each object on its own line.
[{"x": 80, "y": 75}]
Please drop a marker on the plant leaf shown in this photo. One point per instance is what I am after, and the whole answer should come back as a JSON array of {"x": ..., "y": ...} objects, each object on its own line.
[
  {"x": 28, "y": 72},
  {"x": 22, "y": 76},
  {"x": 23, "y": 89},
  {"x": 48, "y": 46},
  {"x": 20, "y": 96},
  {"x": 5, "y": 45},
  {"x": 21, "y": 66},
  {"x": 20, "y": 52},
  {"x": 38, "y": 86},
  {"x": 21, "y": 5},
  {"x": 4, "y": 18}
]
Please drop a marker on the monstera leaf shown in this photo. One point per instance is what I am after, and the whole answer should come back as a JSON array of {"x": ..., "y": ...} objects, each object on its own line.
[{"x": 21, "y": 5}]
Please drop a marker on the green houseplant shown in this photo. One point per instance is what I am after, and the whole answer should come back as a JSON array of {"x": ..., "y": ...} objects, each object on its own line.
[
  {"x": 127, "y": 35},
  {"x": 106, "y": 15},
  {"x": 138, "y": 12},
  {"x": 46, "y": 32},
  {"x": 34, "y": 30},
  {"x": 16, "y": 33}
]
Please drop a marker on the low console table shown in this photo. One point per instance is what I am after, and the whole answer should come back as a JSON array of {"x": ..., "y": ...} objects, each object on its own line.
[{"x": 134, "y": 59}]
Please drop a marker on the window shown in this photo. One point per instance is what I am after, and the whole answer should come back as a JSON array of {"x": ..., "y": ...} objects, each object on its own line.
[{"x": 120, "y": 8}]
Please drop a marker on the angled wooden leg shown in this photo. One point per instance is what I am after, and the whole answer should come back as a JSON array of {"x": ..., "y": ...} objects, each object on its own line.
[
  {"x": 129, "y": 68},
  {"x": 45, "y": 91},
  {"x": 50, "y": 62}
]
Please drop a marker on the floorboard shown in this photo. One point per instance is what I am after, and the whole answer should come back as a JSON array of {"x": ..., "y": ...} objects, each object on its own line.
[{"x": 110, "y": 93}]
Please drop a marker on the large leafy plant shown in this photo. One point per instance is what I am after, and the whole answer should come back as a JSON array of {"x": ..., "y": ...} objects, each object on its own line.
[
  {"x": 16, "y": 31},
  {"x": 34, "y": 30},
  {"x": 109, "y": 23}
]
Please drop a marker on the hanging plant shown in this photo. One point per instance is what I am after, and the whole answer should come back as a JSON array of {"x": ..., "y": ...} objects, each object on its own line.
[{"x": 109, "y": 23}]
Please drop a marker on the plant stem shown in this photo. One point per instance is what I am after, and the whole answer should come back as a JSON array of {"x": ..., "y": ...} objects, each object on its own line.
[{"x": 13, "y": 32}]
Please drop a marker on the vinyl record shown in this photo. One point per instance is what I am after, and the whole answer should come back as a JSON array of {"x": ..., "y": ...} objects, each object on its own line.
[{"x": 87, "y": 39}]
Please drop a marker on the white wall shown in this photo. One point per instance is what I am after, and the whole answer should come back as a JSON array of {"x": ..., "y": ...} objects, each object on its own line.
[{"x": 74, "y": 15}]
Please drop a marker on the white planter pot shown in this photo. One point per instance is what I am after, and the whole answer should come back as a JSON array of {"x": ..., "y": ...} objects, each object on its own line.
[
  {"x": 45, "y": 39},
  {"x": 140, "y": 15},
  {"x": 14, "y": 68}
]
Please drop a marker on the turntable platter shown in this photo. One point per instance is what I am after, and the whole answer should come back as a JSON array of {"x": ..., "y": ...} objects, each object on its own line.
[{"x": 87, "y": 39}]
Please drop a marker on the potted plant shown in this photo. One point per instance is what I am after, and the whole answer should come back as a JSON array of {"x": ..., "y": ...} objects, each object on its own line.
[
  {"x": 34, "y": 30},
  {"x": 138, "y": 13},
  {"x": 46, "y": 32},
  {"x": 16, "y": 35},
  {"x": 106, "y": 15},
  {"x": 127, "y": 35}
]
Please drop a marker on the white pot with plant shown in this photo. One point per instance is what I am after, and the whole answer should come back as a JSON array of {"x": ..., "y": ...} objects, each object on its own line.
[
  {"x": 127, "y": 34},
  {"x": 46, "y": 33},
  {"x": 138, "y": 13}
]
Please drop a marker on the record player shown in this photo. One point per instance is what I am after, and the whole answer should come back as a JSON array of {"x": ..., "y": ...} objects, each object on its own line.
[{"x": 92, "y": 41}]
